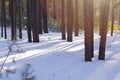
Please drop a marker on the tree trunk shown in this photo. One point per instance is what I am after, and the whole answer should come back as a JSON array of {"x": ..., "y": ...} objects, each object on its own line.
[
  {"x": 12, "y": 16},
  {"x": 69, "y": 20},
  {"x": 19, "y": 19},
  {"x": 40, "y": 19},
  {"x": 63, "y": 20},
  {"x": 89, "y": 26},
  {"x": 2, "y": 17},
  {"x": 104, "y": 25},
  {"x": 3, "y": 24},
  {"x": 29, "y": 21},
  {"x": 54, "y": 9},
  {"x": 76, "y": 18},
  {"x": 112, "y": 23},
  {"x": 119, "y": 16},
  {"x": 34, "y": 20},
  {"x": 44, "y": 14}
]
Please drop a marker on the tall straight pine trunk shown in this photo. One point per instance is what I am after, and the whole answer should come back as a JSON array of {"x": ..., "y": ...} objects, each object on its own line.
[
  {"x": 13, "y": 19},
  {"x": 3, "y": 24},
  {"x": 2, "y": 17},
  {"x": 19, "y": 18},
  {"x": 29, "y": 21},
  {"x": 76, "y": 18},
  {"x": 63, "y": 19},
  {"x": 88, "y": 27},
  {"x": 34, "y": 21},
  {"x": 119, "y": 16},
  {"x": 112, "y": 22},
  {"x": 69, "y": 20},
  {"x": 54, "y": 9},
  {"x": 44, "y": 15},
  {"x": 40, "y": 17},
  {"x": 104, "y": 12}
]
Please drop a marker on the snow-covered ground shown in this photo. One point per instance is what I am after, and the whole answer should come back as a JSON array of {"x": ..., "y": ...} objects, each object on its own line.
[{"x": 56, "y": 59}]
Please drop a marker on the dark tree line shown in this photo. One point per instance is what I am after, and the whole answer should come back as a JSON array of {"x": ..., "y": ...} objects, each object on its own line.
[
  {"x": 14, "y": 16},
  {"x": 36, "y": 19},
  {"x": 34, "y": 10}
]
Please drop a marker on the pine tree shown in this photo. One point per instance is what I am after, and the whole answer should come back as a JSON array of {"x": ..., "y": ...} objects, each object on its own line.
[
  {"x": 76, "y": 18},
  {"x": 13, "y": 19},
  {"x": 44, "y": 15},
  {"x": 29, "y": 21},
  {"x": 34, "y": 21},
  {"x": 63, "y": 20},
  {"x": 69, "y": 20},
  {"x": 104, "y": 12},
  {"x": 40, "y": 18},
  {"x": 3, "y": 24},
  {"x": 19, "y": 18},
  {"x": 88, "y": 27}
]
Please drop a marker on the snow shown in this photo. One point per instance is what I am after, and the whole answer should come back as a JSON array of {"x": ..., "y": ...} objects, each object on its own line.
[{"x": 56, "y": 59}]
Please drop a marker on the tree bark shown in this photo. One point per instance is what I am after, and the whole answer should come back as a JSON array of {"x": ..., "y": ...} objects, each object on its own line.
[
  {"x": 88, "y": 27},
  {"x": 40, "y": 19},
  {"x": 54, "y": 9},
  {"x": 3, "y": 24},
  {"x": 2, "y": 18},
  {"x": 104, "y": 25},
  {"x": 19, "y": 19},
  {"x": 29, "y": 21},
  {"x": 12, "y": 16},
  {"x": 69, "y": 20},
  {"x": 34, "y": 20},
  {"x": 76, "y": 18},
  {"x": 112, "y": 23},
  {"x": 63, "y": 20},
  {"x": 119, "y": 16},
  {"x": 44, "y": 14}
]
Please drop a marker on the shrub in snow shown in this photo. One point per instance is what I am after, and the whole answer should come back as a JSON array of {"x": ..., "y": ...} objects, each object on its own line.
[
  {"x": 7, "y": 71},
  {"x": 27, "y": 73},
  {"x": 13, "y": 47},
  {"x": 10, "y": 46},
  {"x": 10, "y": 71},
  {"x": 53, "y": 28}
]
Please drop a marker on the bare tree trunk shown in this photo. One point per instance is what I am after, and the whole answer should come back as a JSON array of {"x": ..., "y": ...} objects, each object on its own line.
[
  {"x": 89, "y": 26},
  {"x": 76, "y": 18},
  {"x": 104, "y": 25},
  {"x": 4, "y": 15},
  {"x": 40, "y": 19},
  {"x": 9, "y": 7},
  {"x": 112, "y": 23},
  {"x": 58, "y": 11},
  {"x": 34, "y": 20},
  {"x": 3, "y": 24},
  {"x": 15, "y": 18},
  {"x": 19, "y": 19},
  {"x": 12, "y": 16},
  {"x": 100, "y": 19},
  {"x": 63, "y": 20},
  {"x": 44, "y": 14},
  {"x": 54, "y": 9},
  {"x": 2, "y": 18},
  {"x": 119, "y": 16},
  {"x": 69, "y": 20},
  {"x": 29, "y": 21}
]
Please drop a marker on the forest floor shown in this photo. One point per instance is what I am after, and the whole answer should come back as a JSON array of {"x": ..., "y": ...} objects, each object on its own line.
[{"x": 56, "y": 59}]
